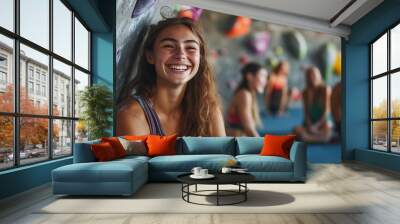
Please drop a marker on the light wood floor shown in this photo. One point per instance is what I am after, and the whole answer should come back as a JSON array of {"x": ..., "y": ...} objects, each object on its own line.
[{"x": 377, "y": 188}]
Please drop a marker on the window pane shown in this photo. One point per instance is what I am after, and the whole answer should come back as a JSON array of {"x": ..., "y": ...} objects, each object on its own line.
[
  {"x": 81, "y": 81},
  {"x": 62, "y": 141},
  {"x": 395, "y": 47},
  {"x": 7, "y": 14},
  {"x": 395, "y": 94},
  {"x": 62, "y": 89},
  {"x": 379, "y": 98},
  {"x": 6, "y": 74},
  {"x": 379, "y": 55},
  {"x": 81, "y": 131},
  {"x": 33, "y": 140},
  {"x": 35, "y": 21},
  {"x": 379, "y": 135},
  {"x": 81, "y": 45},
  {"x": 6, "y": 142},
  {"x": 62, "y": 29},
  {"x": 395, "y": 136},
  {"x": 34, "y": 80}
]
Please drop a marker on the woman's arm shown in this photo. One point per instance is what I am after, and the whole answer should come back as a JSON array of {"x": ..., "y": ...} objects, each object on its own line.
[
  {"x": 326, "y": 98},
  {"x": 307, "y": 120},
  {"x": 268, "y": 91},
  {"x": 245, "y": 113},
  {"x": 218, "y": 128},
  {"x": 131, "y": 120}
]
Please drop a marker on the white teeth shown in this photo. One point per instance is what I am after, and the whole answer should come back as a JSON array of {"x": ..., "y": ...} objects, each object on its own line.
[{"x": 178, "y": 67}]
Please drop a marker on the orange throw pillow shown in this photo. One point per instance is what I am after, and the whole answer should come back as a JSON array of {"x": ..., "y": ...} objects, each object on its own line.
[
  {"x": 275, "y": 145},
  {"x": 103, "y": 151},
  {"x": 161, "y": 145},
  {"x": 116, "y": 145},
  {"x": 135, "y": 137}
]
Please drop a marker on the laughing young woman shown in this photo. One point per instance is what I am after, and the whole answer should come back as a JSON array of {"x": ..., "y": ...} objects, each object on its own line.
[{"x": 175, "y": 88}]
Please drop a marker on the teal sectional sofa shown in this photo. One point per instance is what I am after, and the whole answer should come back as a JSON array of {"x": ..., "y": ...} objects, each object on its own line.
[{"x": 125, "y": 176}]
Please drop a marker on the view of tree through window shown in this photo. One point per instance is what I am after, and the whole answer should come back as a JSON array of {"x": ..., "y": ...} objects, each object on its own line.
[
  {"x": 41, "y": 123},
  {"x": 385, "y": 91}
]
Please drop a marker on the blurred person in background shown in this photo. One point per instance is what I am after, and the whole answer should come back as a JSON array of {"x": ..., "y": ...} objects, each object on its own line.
[
  {"x": 243, "y": 115},
  {"x": 276, "y": 92},
  {"x": 316, "y": 97}
]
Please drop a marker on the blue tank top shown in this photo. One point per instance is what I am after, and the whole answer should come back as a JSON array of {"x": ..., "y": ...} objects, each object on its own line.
[{"x": 151, "y": 115}]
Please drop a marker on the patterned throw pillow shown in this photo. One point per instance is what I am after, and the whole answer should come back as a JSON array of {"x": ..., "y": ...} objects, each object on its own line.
[{"x": 134, "y": 147}]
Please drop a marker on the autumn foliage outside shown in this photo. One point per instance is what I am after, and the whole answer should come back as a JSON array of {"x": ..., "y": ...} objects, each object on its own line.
[{"x": 33, "y": 131}]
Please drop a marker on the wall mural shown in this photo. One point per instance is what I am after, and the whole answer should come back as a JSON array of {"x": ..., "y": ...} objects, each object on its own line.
[{"x": 301, "y": 94}]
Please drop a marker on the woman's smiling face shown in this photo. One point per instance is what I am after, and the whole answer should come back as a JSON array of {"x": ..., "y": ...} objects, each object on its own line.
[{"x": 175, "y": 55}]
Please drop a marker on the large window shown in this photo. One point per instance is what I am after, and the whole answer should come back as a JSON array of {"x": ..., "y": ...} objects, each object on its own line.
[
  {"x": 385, "y": 91},
  {"x": 44, "y": 64}
]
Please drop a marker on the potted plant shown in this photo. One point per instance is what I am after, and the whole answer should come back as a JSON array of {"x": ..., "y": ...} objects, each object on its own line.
[{"x": 96, "y": 102}]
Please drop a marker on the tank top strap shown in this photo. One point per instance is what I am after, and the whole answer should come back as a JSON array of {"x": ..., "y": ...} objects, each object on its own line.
[{"x": 151, "y": 115}]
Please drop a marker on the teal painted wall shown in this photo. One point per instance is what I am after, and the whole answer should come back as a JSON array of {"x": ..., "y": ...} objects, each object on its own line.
[
  {"x": 103, "y": 58},
  {"x": 103, "y": 62},
  {"x": 356, "y": 85}
]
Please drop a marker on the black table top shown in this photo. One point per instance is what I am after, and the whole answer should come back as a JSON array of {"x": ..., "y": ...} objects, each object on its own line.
[{"x": 220, "y": 178}]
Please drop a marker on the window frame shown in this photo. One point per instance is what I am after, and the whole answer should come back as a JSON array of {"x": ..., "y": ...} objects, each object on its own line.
[
  {"x": 16, "y": 115},
  {"x": 388, "y": 74}
]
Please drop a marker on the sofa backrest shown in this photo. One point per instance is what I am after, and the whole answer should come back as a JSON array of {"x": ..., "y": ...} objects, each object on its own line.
[
  {"x": 83, "y": 152},
  {"x": 249, "y": 145},
  {"x": 206, "y": 145}
]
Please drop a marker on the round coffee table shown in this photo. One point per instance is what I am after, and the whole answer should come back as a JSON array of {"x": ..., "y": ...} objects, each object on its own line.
[{"x": 238, "y": 179}]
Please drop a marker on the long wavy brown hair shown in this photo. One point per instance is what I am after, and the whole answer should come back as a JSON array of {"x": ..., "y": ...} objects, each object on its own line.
[{"x": 200, "y": 102}]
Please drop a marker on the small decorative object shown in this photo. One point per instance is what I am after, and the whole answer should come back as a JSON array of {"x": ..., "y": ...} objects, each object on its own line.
[
  {"x": 231, "y": 163},
  {"x": 296, "y": 44},
  {"x": 259, "y": 42},
  {"x": 226, "y": 170},
  {"x": 328, "y": 54},
  {"x": 240, "y": 27},
  {"x": 337, "y": 66},
  {"x": 192, "y": 13},
  {"x": 141, "y": 6},
  {"x": 96, "y": 103}
]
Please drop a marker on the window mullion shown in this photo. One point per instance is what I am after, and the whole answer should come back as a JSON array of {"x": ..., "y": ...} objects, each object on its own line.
[
  {"x": 73, "y": 83},
  {"x": 50, "y": 81},
  {"x": 389, "y": 106},
  {"x": 16, "y": 84}
]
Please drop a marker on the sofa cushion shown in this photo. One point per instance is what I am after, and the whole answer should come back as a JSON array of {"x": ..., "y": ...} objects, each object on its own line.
[
  {"x": 185, "y": 163},
  {"x": 257, "y": 163},
  {"x": 111, "y": 171},
  {"x": 207, "y": 145},
  {"x": 249, "y": 145},
  {"x": 83, "y": 152}
]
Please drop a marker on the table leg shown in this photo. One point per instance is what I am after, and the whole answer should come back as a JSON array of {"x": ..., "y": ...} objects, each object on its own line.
[
  {"x": 196, "y": 188},
  {"x": 245, "y": 191},
  {"x": 217, "y": 194}
]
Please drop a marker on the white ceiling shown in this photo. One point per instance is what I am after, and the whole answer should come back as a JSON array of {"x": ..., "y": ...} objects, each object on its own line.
[
  {"x": 320, "y": 9},
  {"x": 315, "y": 15}
]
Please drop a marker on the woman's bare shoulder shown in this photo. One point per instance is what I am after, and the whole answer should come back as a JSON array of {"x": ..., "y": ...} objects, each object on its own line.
[
  {"x": 131, "y": 118},
  {"x": 130, "y": 106},
  {"x": 243, "y": 94}
]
